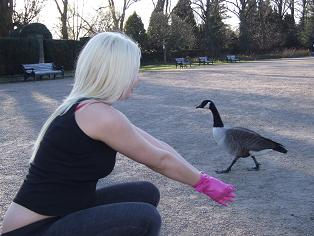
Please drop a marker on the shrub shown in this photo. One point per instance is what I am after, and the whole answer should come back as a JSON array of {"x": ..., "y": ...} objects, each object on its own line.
[
  {"x": 16, "y": 51},
  {"x": 31, "y": 30},
  {"x": 61, "y": 52}
]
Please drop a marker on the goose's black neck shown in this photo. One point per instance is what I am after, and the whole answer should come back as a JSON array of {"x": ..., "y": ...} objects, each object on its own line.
[{"x": 217, "y": 119}]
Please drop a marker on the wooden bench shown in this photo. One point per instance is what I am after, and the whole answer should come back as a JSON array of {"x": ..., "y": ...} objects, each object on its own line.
[
  {"x": 232, "y": 58},
  {"x": 182, "y": 62},
  {"x": 41, "y": 69},
  {"x": 205, "y": 60}
]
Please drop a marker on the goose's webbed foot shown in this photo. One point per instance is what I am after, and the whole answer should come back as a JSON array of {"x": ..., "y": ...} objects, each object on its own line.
[
  {"x": 223, "y": 171},
  {"x": 257, "y": 164},
  {"x": 256, "y": 168},
  {"x": 229, "y": 168}
]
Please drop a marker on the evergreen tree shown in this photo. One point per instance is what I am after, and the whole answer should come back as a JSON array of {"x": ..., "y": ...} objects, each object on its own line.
[
  {"x": 184, "y": 11},
  {"x": 231, "y": 41},
  {"x": 307, "y": 32},
  {"x": 248, "y": 22},
  {"x": 268, "y": 29},
  {"x": 180, "y": 34},
  {"x": 290, "y": 32},
  {"x": 158, "y": 30},
  {"x": 134, "y": 28},
  {"x": 213, "y": 30}
]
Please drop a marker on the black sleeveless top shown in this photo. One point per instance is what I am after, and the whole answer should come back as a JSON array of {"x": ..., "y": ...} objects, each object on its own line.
[{"x": 62, "y": 177}]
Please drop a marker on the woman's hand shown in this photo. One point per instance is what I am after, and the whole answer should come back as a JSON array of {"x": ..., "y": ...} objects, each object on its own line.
[{"x": 215, "y": 189}]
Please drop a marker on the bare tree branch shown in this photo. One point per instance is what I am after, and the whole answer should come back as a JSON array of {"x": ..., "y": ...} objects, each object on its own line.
[
  {"x": 118, "y": 17},
  {"x": 31, "y": 10}
]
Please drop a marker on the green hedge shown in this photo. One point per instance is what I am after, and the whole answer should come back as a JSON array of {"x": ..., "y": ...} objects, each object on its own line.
[
  {"x": 17, "y": 51},
  {"x": 62, "y": 52}
]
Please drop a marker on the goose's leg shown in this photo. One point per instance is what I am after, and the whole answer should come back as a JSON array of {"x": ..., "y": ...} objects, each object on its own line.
[
  {"x": 257, "y": 164},
  {"x": 229, "y": 168}
]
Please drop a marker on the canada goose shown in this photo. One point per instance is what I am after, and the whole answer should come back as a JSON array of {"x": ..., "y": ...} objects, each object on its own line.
[{"x": 239, "y": 141}]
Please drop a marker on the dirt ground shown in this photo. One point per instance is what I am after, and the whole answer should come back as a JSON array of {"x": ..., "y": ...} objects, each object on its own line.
[{"x": 274, "y": 98}]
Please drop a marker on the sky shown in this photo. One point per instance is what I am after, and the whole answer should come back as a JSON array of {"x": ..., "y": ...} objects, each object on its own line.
[{"x": 143, "y": 8}]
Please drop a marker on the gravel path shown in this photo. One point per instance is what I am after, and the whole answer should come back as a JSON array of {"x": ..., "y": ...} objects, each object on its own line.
[{"x": 274, "y": 98}]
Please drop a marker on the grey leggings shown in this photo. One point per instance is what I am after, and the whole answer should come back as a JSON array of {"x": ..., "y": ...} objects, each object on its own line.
[{"x": 123, "y": 209}]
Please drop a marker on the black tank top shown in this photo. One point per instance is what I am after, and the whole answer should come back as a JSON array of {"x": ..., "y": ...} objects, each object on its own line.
[{"x": 62, "y": 177}]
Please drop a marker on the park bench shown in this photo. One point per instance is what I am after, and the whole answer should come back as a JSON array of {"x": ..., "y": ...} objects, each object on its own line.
[
  {"x": 205, "y": 60},
  {"x": 232, "y": 58},
  {"x": 182, "y": 62},
  {"x": 41, "y": 69}
]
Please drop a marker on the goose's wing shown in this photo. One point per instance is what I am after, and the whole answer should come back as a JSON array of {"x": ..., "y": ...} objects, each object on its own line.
[{"x": 248, "y": 140}]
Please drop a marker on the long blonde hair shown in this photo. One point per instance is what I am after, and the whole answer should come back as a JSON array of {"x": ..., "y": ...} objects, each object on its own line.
[{"x": 105, "y": 69}]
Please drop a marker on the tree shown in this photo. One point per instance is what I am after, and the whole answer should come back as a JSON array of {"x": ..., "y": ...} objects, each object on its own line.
[
  {"x": 310, "y": 25},
  {"x": 159, "y": 6},
  {"x": 118, "y": 17},
  {"x": 6, "y": 13},
  {"x": 12, "y": 17},
  {"x": 232, "y": 39},
  {"x": 307, "y": 33},
  {"x": 76, "y": 22},
  {"x": 246, "y": 11},
  {"x": 212, "y": 28},
  {"x": 281, "y": 7},
  {"x": 28, "y": 13},
  {"x": 184, "y": 11},
  {"x": 290, "y": 32},
  {"x": 100, "y": 22},
  {"x": 134, "y": 28},
  {"x": 267, "y": 34},
  {"x": 181, "y": 34},
  {"x": 303, "y": 11},
  {"x": 158, "y": 30},
  {"x": 162, "y": 6},
  {"x": 63, "y": 11}
]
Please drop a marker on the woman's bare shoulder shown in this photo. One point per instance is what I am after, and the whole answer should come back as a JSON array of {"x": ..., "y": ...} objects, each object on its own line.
[{"x": 97, "y": 117}]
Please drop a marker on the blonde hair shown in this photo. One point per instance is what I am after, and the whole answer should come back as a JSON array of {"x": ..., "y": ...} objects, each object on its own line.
[{"x": 105, "y": 70}]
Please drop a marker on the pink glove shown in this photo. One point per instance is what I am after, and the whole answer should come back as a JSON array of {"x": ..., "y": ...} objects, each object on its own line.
[{"x": 215, "y": 189}]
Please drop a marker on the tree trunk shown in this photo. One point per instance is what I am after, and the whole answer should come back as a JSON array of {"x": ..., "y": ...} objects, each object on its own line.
[
  {"x": 6, "y": 11},
  {"x": 292, "y": 8},
  {"x": 165, "y": 51},
  {"x": 64, "y": 27},
  {"x": 160, "y": 6},
  {"x": 64, "y": 18}
]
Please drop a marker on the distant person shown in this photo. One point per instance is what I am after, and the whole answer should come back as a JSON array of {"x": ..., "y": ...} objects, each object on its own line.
[{"x": 77, "y": 146}]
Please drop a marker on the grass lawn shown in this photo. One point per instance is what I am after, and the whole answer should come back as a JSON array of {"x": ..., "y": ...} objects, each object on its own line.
[{"x": 157, "y": 67}]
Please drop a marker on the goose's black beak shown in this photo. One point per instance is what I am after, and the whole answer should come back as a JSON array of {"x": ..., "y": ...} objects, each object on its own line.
[{"x": 203, "y": 104}]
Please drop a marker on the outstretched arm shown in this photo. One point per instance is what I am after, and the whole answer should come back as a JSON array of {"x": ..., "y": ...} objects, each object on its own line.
[
  {"x": 110, "y": 126},
  {"x": 214, "y": 188},
  {"x": 157, "y": 142},
  {"x": 104, "y": 123}
]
